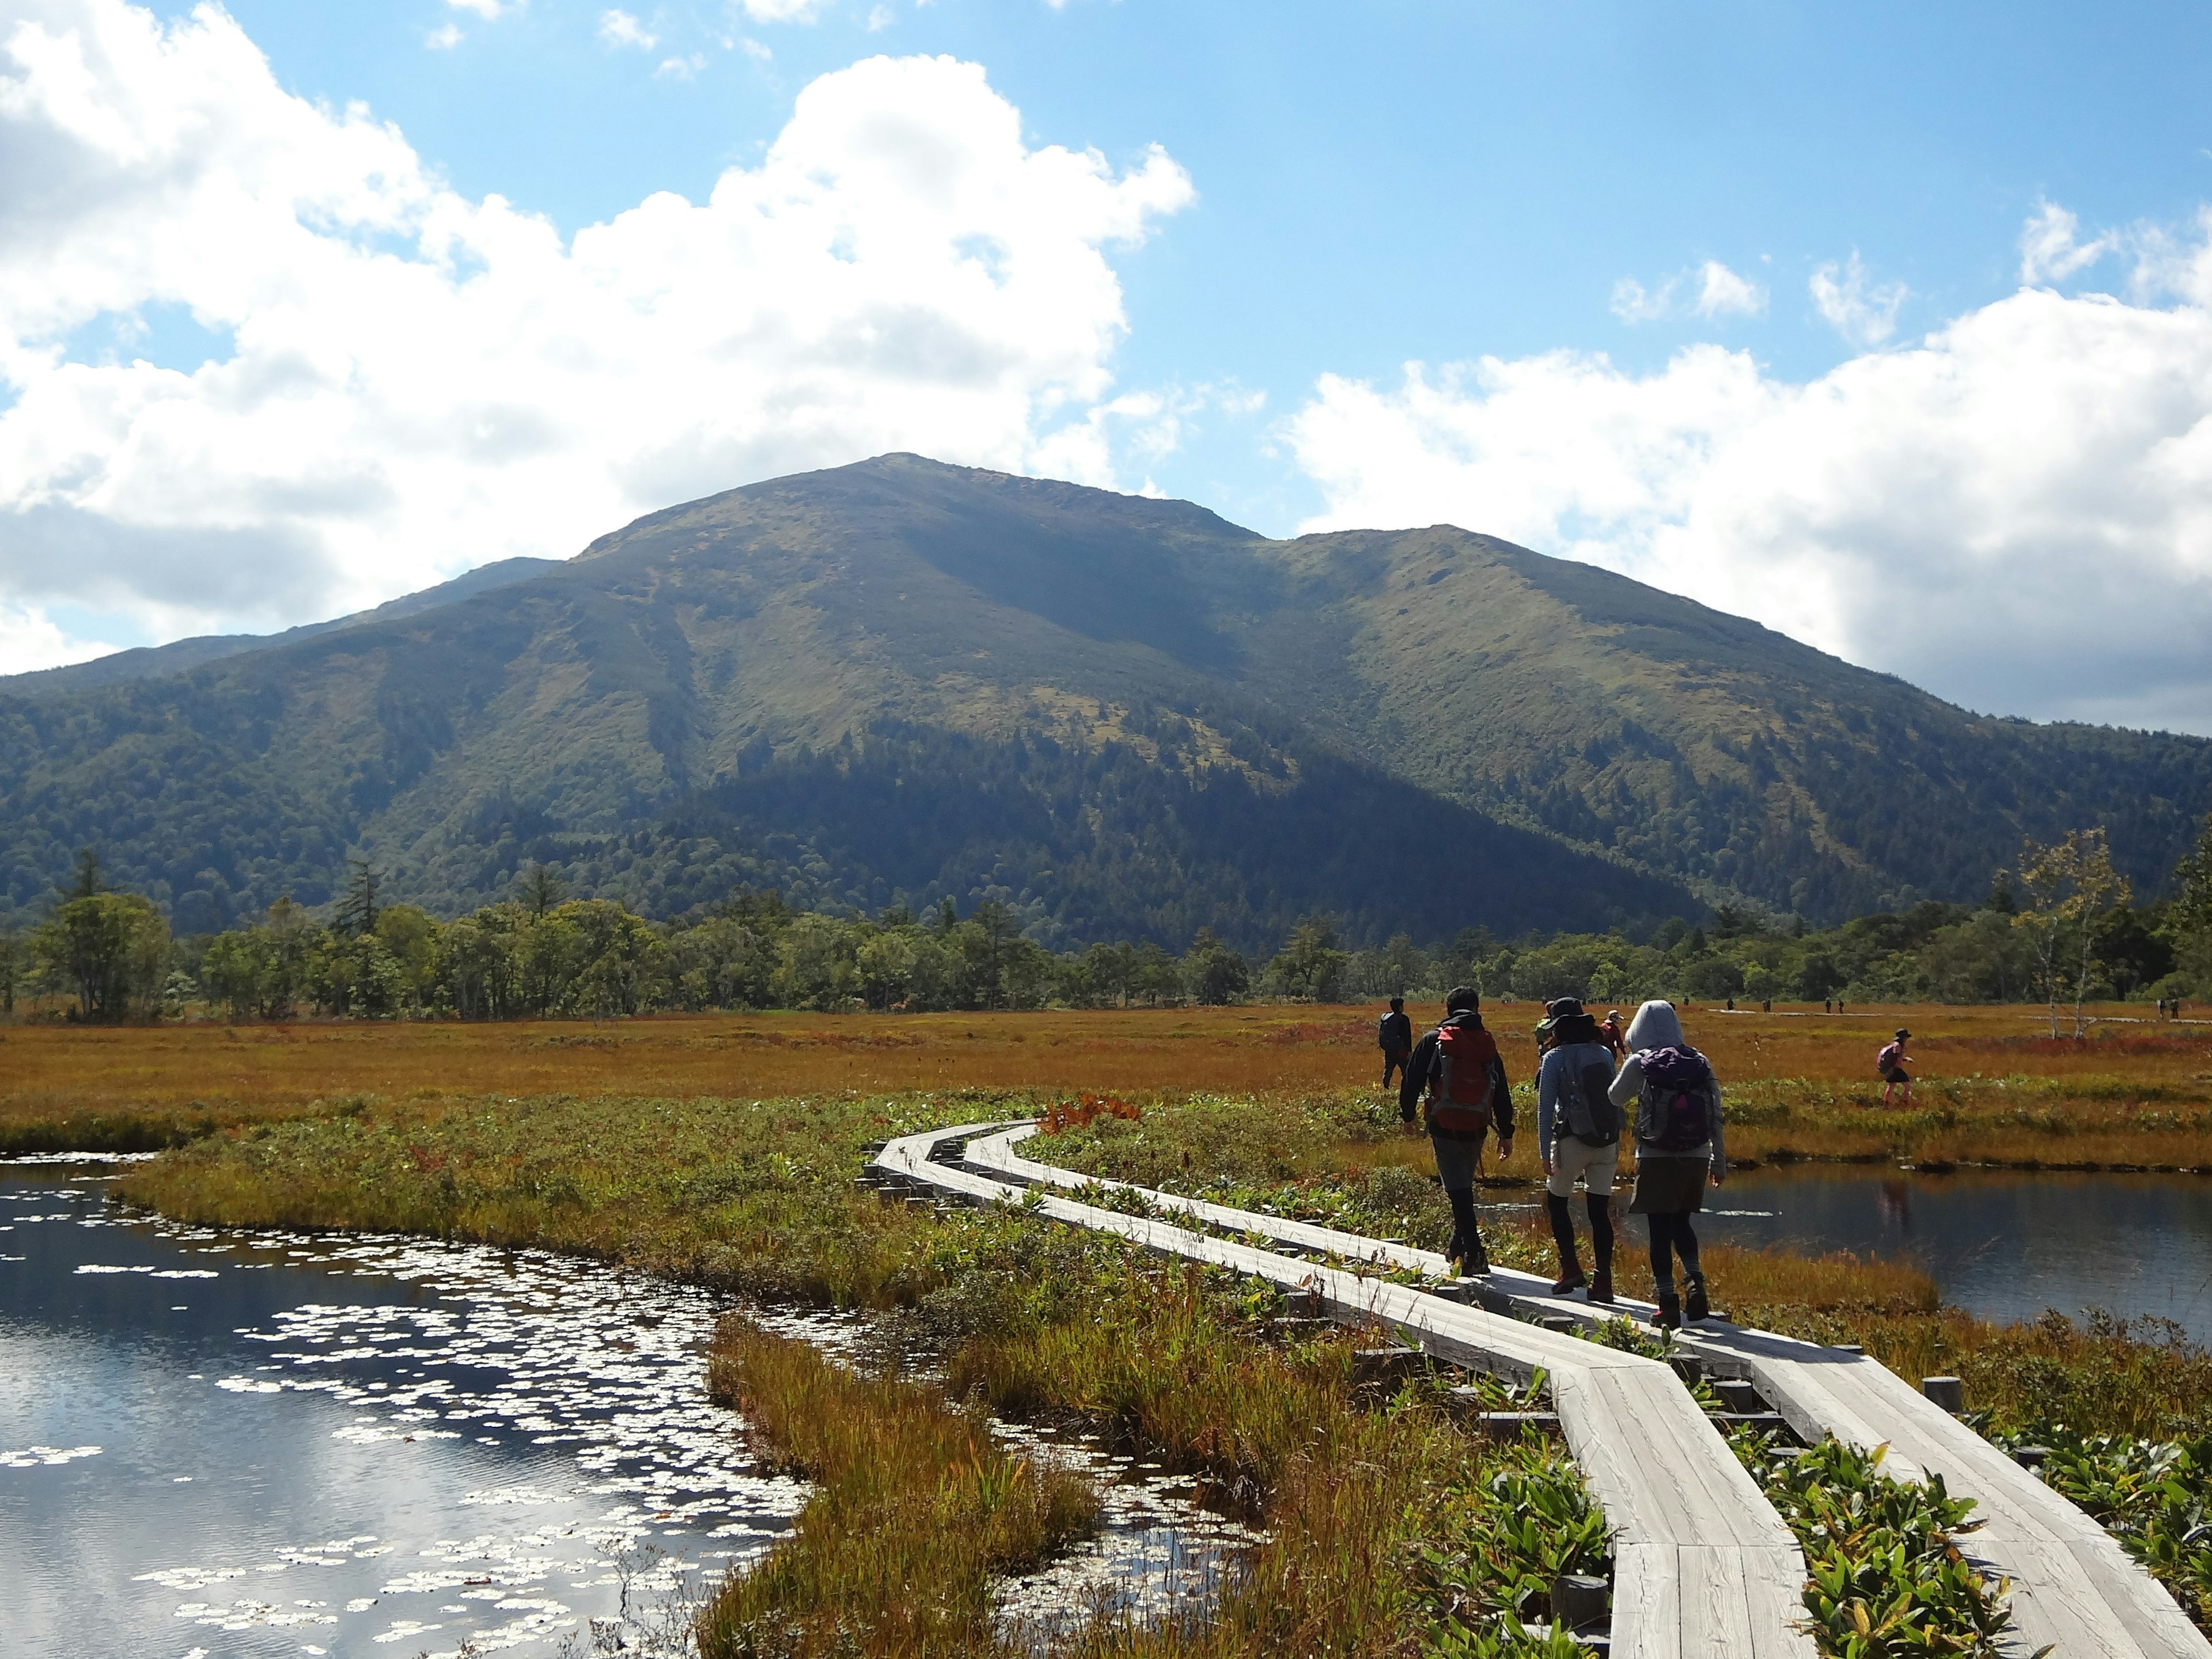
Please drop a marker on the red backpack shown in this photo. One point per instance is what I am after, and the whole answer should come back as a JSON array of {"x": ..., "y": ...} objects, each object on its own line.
[{"x": 1460, "y": 1086}]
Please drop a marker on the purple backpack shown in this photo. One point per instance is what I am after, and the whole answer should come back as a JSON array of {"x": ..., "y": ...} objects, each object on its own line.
[{"x": 1675, "y": 1082}]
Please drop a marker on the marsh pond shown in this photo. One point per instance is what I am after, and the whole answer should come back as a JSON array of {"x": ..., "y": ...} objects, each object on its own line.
[{"x": 262, "y": 1444}]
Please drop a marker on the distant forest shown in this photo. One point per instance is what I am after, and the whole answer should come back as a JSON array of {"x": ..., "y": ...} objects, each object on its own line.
[{"x": 2058, "y": 929}]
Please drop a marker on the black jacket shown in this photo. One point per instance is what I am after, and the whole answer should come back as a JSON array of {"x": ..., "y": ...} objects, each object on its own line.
[
  {"x": 1395, "y": 1034},
  {"x": 1424, "y": 1062}
]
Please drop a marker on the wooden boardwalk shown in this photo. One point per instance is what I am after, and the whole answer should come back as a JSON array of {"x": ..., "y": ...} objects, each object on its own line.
[
  {"x": 2073, "y": 1588},
  {"x": 1703, "y": 1566}
]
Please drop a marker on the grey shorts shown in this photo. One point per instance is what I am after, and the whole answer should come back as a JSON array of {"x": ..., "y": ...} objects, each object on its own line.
[
  {"x": 1593, "y": 1165},
  {"x": 1456, "y": 1160}
]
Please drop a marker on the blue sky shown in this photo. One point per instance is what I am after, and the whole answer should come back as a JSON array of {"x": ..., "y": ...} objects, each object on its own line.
[
  {"x": 1385, "y": 181},
  {"x": 1864, "y": 321}
]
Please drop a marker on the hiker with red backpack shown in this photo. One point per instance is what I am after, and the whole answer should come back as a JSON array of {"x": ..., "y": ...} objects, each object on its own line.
[
  {"x": 1578, "y": 1136},
  {"x": 1679, "y": 1149},
  {"x": 1891, "y": 1063},
  {"x": 1456, "y": 1073}
]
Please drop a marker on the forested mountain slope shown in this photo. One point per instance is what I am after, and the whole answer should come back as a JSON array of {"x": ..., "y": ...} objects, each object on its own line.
[{"x": 899, "y": 680}]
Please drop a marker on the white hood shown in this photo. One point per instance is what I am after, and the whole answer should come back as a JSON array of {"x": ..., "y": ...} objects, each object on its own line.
[{"x": 1657, "y": 1026}]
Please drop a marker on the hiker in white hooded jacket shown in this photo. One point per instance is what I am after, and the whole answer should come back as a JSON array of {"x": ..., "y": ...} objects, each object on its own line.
[{"x": 1679, "y": 1149}]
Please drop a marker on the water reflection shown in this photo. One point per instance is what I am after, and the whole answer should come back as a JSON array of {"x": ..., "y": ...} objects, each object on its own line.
[
  {"x": 2005, "y": 1245},
  {"x": 263, "y": 1443}
]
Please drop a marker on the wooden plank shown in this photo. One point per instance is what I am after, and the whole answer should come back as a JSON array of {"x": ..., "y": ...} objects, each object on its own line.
[
  {"x": 1715, "y": 1605},
  {"x": 1651, "y": 1461},
  {"x": 2074, "y": 1585},
  {"x": 1647, "y": 1601}
]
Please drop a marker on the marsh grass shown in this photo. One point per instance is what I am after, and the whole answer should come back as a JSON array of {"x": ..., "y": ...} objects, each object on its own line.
[
  {"x": 1389, "y": 1528},
  {"x": 1801, "y": 1084},
  {"x": 916, "y": 1509}
]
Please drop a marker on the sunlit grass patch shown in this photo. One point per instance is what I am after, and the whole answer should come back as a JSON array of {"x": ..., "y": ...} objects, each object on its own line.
[{"x": 916, "y": 1509}]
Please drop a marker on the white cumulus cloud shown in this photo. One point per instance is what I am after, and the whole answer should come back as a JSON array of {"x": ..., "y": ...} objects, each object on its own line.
[
  {"x": 394, "y": 381},
  {"x": 2016, "y": 513}
]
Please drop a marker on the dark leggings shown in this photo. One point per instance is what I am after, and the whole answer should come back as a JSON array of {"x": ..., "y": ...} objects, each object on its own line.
[
  {"x": 1671, "y": 1235},
  {"x": 1600, "y": 1223}
]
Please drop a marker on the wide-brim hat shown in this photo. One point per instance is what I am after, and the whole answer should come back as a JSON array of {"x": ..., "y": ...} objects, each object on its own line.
[{"x": 1560, "y": 1009}]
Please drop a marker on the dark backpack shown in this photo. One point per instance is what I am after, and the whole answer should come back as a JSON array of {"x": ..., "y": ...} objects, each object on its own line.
[
  {"x": 1592, "y": 1118},
  {"x": 1675, "y": 1081},
  {"x": 1460, "y": 1098},
  {"x": 1887, "y": 1060}
]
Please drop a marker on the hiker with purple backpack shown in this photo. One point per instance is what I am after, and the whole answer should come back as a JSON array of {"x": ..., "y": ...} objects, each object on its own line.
[
  {"x": 1678, "y": 1149},
  {"x": 1458, "y": 1067}
]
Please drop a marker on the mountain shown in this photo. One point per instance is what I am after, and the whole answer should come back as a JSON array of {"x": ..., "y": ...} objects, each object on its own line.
[
  {"x": 152, "y": 662},
  {"x": 900, "y": 680}
]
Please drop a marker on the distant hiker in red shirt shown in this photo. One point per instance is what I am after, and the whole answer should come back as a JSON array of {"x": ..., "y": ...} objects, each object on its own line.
[
  {"x": 1393, "y": 1034},
  {"x": 1611, "y": 1032},
  {"x": 1458, "y": 1067},
  {"x": 1891, "y": 1063}
]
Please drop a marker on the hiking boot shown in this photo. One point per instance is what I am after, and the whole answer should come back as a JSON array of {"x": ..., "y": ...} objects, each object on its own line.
[
  {"x": 1568, "y": 1282},
  {"x": 1601, "y": 1289},
  {"x": 1694, "y": 1305},
  {"x": 1475, "y": 1264},
  {"x": 1669, "y": 1316}
]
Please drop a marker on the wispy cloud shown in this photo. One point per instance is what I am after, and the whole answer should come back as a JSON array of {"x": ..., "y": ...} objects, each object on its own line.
[
  {"x": 620, "y": 28},
  {"x": 1722, "y": 293},
  {"x": 1863, "y": 311},
  {"x": 444, "y": 37},
  {"x": 489, "y": 11},
  {"x": 1719, "y": 292},
  {"x": 2051, "y": 248}
]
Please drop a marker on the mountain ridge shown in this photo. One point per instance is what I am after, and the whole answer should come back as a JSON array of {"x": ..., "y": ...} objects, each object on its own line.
[{"x": 647, "y": 712}]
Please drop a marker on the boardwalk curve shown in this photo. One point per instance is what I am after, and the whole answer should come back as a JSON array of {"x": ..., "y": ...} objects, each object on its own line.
[
  {"x": 2075, "y": 1590},
  {"x": 1702, "y": 1564}
]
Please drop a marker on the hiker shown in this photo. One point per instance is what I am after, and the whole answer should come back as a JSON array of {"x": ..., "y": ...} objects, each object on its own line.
[
  {"x": 1458, "y": 1067},
  {"x": 1678, "y": 1149},
  {"x": 1891, "y": 1063},
  {"x": 1393, "y": 1034},
  {"x": 1611, "y": 1034},
  {"x": 1579, "y": 1137}
]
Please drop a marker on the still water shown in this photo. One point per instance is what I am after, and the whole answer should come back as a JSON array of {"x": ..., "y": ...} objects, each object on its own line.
[
  {"x": 218, "y": 1444},
  {"x": 2007, "y": 1246}
]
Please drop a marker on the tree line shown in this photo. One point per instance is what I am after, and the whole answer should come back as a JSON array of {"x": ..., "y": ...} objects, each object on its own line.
[{"x": 2059, "y": 928}]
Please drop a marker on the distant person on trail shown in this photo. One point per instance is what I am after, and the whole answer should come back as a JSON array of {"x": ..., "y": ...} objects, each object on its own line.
[
  {"x": 1891, "y": 1063},
  {"x": 1677, "y": 1101},
  {"x": 1609, "y": 1032},
  {"x": 1579, "y": 1137},
  {"x": 1393, "y": 1034},
  {"x": 1457, "y": 1068}
]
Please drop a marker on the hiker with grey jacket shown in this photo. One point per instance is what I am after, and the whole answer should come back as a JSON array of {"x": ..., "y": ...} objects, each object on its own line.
[
  {"x": 1679, "y": 1148},
  {"x": 1458, "y": 1068},
  {"x": 1578, "y": 1138}
]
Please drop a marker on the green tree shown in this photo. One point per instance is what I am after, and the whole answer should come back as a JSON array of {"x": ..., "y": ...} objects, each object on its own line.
[
  {"x": 110, "y": 950},
  {"x": 2069, "y": 885},
  {"x": 1310, "y": 965},
  {"x": 542, "y": 890},
  {"x": 358, "y": 911},
  {"x": 1213, "y": 973}
]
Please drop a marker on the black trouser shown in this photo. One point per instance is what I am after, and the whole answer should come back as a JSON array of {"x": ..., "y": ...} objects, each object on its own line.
[
  {"x": 1671, "y": 1235},
  {"x": 1394, "y": 1062},
  {"x": 1600, "y": 1223}
]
